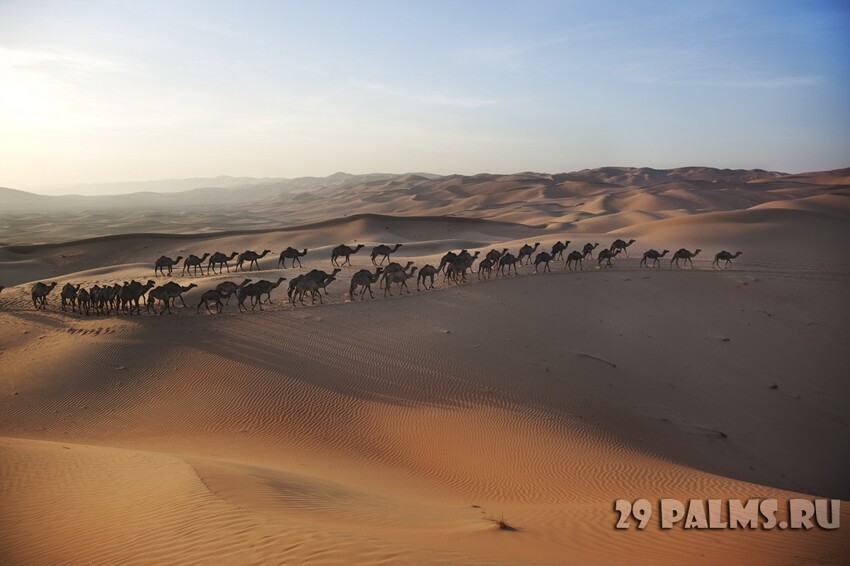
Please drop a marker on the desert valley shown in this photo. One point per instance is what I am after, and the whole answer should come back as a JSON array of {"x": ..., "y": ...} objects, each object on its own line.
[{"x": 492, "y": 419}]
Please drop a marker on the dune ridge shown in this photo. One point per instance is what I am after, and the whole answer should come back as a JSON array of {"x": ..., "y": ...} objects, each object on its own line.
[{"x": 398, "y": 430}]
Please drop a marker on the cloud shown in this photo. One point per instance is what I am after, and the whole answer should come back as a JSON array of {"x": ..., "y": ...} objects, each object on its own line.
[
  {"x": 696, "y": 68},
  {"x": 60, "y": 66},
  {"x": 424, "y": 97},
  {"x": 768, "y": 82}
]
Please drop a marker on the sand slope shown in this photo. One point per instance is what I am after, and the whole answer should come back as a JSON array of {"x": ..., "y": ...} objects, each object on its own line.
[{"x": 394, "y": 430}]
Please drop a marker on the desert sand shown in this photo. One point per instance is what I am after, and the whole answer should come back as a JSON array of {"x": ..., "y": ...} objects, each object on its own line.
[{"x": 400, "y": 429}]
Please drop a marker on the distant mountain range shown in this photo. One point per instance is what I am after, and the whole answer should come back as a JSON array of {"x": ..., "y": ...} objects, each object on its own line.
[
  {"x": 226, "y": 190},
  {"x": 170, "y": 193},
  {"x": 593, "y": 200}
]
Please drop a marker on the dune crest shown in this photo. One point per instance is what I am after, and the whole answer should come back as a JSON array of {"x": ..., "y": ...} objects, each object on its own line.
[{"x": 403, "y": 429}]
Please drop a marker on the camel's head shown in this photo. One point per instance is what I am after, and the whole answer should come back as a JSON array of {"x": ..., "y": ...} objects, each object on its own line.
[
  {"x": 412, "y": 271},
  {"x": 476, "y": 255},
  {"x": 280, "y": 280},
  {"x": 335, "y": 271},
  {"x": 738, "y": 253},
  {"x": 359, "y": 247},
  {"x": 536, "y": 245},
  {"x": 151, "y": 282},
  {"x": 304, "y": 252},
  {"x": 631, "y": 242},
  {"x": 379, "y": 271},
  {"x": 266, "y": 252},
  {"x": 409, "y": 263},
  {"x": 178, "y": 258},
  {"x": 697, "y": 251},
  {"x": 191, "y": 286},
  {"x": 566, "y": 243}
]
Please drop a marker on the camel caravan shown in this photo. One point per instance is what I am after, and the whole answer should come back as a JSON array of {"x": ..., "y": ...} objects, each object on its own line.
[{"x": 129, "y": 298}]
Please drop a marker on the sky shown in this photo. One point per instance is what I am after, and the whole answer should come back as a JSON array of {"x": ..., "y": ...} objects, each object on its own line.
[{"x": 136, "y": 90}]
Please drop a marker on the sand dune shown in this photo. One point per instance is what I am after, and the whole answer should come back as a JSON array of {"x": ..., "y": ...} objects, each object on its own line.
[
  {"x": 396, "y": 430},
  {"x": 528, "y": 198}
]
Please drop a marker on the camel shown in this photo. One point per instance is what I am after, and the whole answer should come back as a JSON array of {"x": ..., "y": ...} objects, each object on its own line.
[
  {"x": 508, "y": 260},
  {"x": 486, "y": 266},
  {"x": 175, "y": 291},
  {"x": 221, "y": 260},
  {"x": 266, "y": 287},
  {"x": 384, "y": 251},
  {"x": 194, "y": 262},
  {"x": 212, "y": 296},
  {"x": 293, "y": 254},
  {"x": 159, "y": 294},
  {"x": 495, "y": 255},
  {"x": 163, "y": 262},
  {"x": 96, "y": 299},
  {"x": 228, "y": 288},
  {"x": 319, "y": 275},
  {"x": 83, "y": 301},
  {"x": 293, "y": 283},
  {"x": 39, "y": 294},
  {"x": 253, "y": 259},
  {"x": 364, "y": 278},
  {"x": 131, "y": 293},
  {"x": 587, "y": 250},
  {"x": 426, "y": 271},
  {"x": 252, "y": 291},
  {"x": 607, "y": 255},
  {"x": 312, "y": 286},
  {"x": 401, "y": 278},
  {"x": 724, "y": 256},
  {"x": 455, "y": 259},
  {"x": 575, "y": 257},
  {"x": 684, "y": 255},
  {"x": 526, "y": 251},
  {"x": 447, "y": 259},
  {"x": 543, "y": 258},
  {"x": 344, "y": 251},
  {"x": 109, "y": 298},
  {"x": 167, "y": 294},
  {"x": 392, "y": 267},
  {"x": 621, "y": 245},
  {"x": 558, "y": 249},
  {"x": 69, "y": 295},
  {"x": 459, "y": 266},
  {"x": 654, "y": 256}
]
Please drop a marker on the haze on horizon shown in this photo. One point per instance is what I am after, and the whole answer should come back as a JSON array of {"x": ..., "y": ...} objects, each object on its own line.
[{"x": 94, "y": 92}]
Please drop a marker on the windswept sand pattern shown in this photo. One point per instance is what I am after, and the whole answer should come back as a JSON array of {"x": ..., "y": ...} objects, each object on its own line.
[{"x": 396, "y": 430}]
